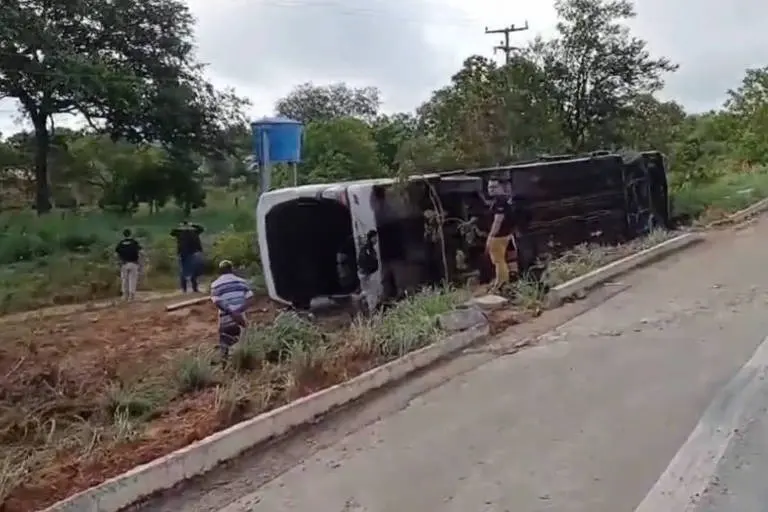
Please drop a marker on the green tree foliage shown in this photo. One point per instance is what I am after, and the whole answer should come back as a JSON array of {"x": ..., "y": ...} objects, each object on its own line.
[
  {"x": 339, "y": 149},
  {"x": 470, "y": 113},
  {"x": 747, "y": 116},
  {"x": 596, "y": 68},
  {"x": 390, "y": 132},
  {"x": 160, "y": 131},
  {"x": 308, "y": 103},
  {"x": 127, "y": 66},
  {"x": 648, "y": 123}
]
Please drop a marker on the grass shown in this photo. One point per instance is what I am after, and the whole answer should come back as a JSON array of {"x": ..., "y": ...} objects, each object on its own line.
[
  {"x": 725, "y": 195},
  {"x": 531, "y": 295},
  {"x": 68, "y": 257}
]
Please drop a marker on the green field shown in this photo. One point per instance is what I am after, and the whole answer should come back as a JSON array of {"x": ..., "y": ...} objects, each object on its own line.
[
  {"x": 68, "y": 257},
  {"x": 726, "y": 194}
]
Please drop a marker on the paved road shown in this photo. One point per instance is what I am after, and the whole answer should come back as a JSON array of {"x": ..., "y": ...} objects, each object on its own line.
[
  {"x": 738, "y": 484},
  {"x": 584, "y": 422}
]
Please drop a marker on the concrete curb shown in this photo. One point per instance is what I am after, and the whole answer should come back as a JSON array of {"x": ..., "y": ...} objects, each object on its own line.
[
  {"x": 742, "y": 215},
  {"x": 164, "y": 473},
  {"x": 693, "y": 468},
  {"x": 561, "y": 292}
]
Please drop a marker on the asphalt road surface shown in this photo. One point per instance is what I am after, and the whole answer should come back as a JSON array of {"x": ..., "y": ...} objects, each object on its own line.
[{"x": 585, "y": 421}]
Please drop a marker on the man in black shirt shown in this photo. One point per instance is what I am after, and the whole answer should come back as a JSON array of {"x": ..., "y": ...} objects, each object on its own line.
[
  {"x": 190, "y": 251},
  {"x": 129, "y": 253},
  {"x": 500, "y": 234}
]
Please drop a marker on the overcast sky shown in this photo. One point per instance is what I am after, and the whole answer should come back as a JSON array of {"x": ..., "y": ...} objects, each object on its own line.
[{"x": 407, "y": 48}]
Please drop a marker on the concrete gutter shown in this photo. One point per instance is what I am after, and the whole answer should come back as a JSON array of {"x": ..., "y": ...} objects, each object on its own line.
[{"x": 561, "y": 292}]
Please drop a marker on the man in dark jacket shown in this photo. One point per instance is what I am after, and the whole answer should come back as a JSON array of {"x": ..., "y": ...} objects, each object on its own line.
[{"x": 190, "y": 251}]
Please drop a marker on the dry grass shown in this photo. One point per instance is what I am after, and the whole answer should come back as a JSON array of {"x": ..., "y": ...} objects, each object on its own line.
[
  {"x": 59, "y": 436},
  {"x": 531, "y": 295}
]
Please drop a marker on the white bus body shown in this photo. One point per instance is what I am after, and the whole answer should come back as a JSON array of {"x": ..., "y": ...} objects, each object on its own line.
[{"x": 300, "y": 231}]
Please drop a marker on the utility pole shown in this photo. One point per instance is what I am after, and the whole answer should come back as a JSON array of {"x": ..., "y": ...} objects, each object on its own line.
[{"x": 504, "y": 45}]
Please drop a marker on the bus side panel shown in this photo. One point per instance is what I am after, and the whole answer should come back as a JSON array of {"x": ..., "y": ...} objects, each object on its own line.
[{"x": 363, "y": 220}]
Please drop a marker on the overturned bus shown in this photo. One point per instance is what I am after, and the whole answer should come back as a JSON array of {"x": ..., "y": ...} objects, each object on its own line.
[{"x": 309, "y": 235}]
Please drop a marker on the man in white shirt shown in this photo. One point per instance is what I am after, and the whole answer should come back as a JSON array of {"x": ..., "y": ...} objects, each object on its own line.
[{"x": 232, "y": 295}]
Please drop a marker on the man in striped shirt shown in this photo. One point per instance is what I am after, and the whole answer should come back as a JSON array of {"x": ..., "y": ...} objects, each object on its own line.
[{"x": 232, "y": 295}]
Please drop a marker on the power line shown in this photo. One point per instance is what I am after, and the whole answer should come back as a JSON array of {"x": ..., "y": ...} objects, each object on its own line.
[
  {"x": 342, "y": 8},
  {"x": 504, "y": 45}
]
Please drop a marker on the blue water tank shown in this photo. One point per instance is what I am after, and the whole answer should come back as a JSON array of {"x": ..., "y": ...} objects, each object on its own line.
[{"x": 284, "y": 136}]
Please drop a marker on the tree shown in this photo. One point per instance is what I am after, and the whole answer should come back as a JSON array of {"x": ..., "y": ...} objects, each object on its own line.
[
  {"x": 390, "y": 132},
  {"x": 751, "y": 96},
  {"x": 533, "y": 118},
  {"x": 490, "y": 113},
  {"x": 339, "y": 149},
  {"x": 651, "y": 124},
  {"x": 148, "y": 174},
  {"x": 745, "y": 118},
  {"x": 424, "y": 154},
  {"x": 596, "y": 68},
  {"x": 127, "y": 66},
  {"x": 469, "y": 114},
  {"x": 308, "y": 103}
]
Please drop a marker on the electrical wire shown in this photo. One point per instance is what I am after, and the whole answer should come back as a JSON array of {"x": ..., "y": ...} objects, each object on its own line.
[{"x": 343, "y": 8}]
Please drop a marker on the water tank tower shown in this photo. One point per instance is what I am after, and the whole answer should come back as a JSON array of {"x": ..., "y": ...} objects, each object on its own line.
[{"x": 276, "y": 140}]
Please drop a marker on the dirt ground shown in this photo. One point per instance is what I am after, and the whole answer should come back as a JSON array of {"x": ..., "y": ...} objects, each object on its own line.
[
  {"x": 58, "y": 375},
  {"x": 61, "y": 375},
  {"x": 53, "y": 375}
]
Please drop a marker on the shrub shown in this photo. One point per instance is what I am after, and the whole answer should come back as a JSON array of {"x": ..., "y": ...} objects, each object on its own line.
[
  {"x": 288, "y": 334},
  {"x": 248, "y": 353},
  {"x": 195, "y": 371},
  {"x": 161, "y": 257},
  {"x": 409, "y": 325},
  {"x": 238, "y": 247},
  {"x": 131, "y": 402}
]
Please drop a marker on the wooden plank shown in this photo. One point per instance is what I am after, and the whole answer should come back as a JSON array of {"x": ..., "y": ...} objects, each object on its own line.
[{"x": 187, "y": 303}]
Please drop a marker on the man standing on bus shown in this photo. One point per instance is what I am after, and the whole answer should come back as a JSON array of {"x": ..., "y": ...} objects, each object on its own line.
[{"x": 500, "y": 234}]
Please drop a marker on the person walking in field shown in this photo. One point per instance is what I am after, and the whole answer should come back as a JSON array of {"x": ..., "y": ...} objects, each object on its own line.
[
  {"x": 129, "y": 253},
  {"x": 190, "y": 251},
  {"x": 232, "y": 295}
]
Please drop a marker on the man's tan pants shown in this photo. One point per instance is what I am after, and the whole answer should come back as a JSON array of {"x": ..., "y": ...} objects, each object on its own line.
[
  {"x": 129, "y": 279},
  {"x": 498, "y": 253}
]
